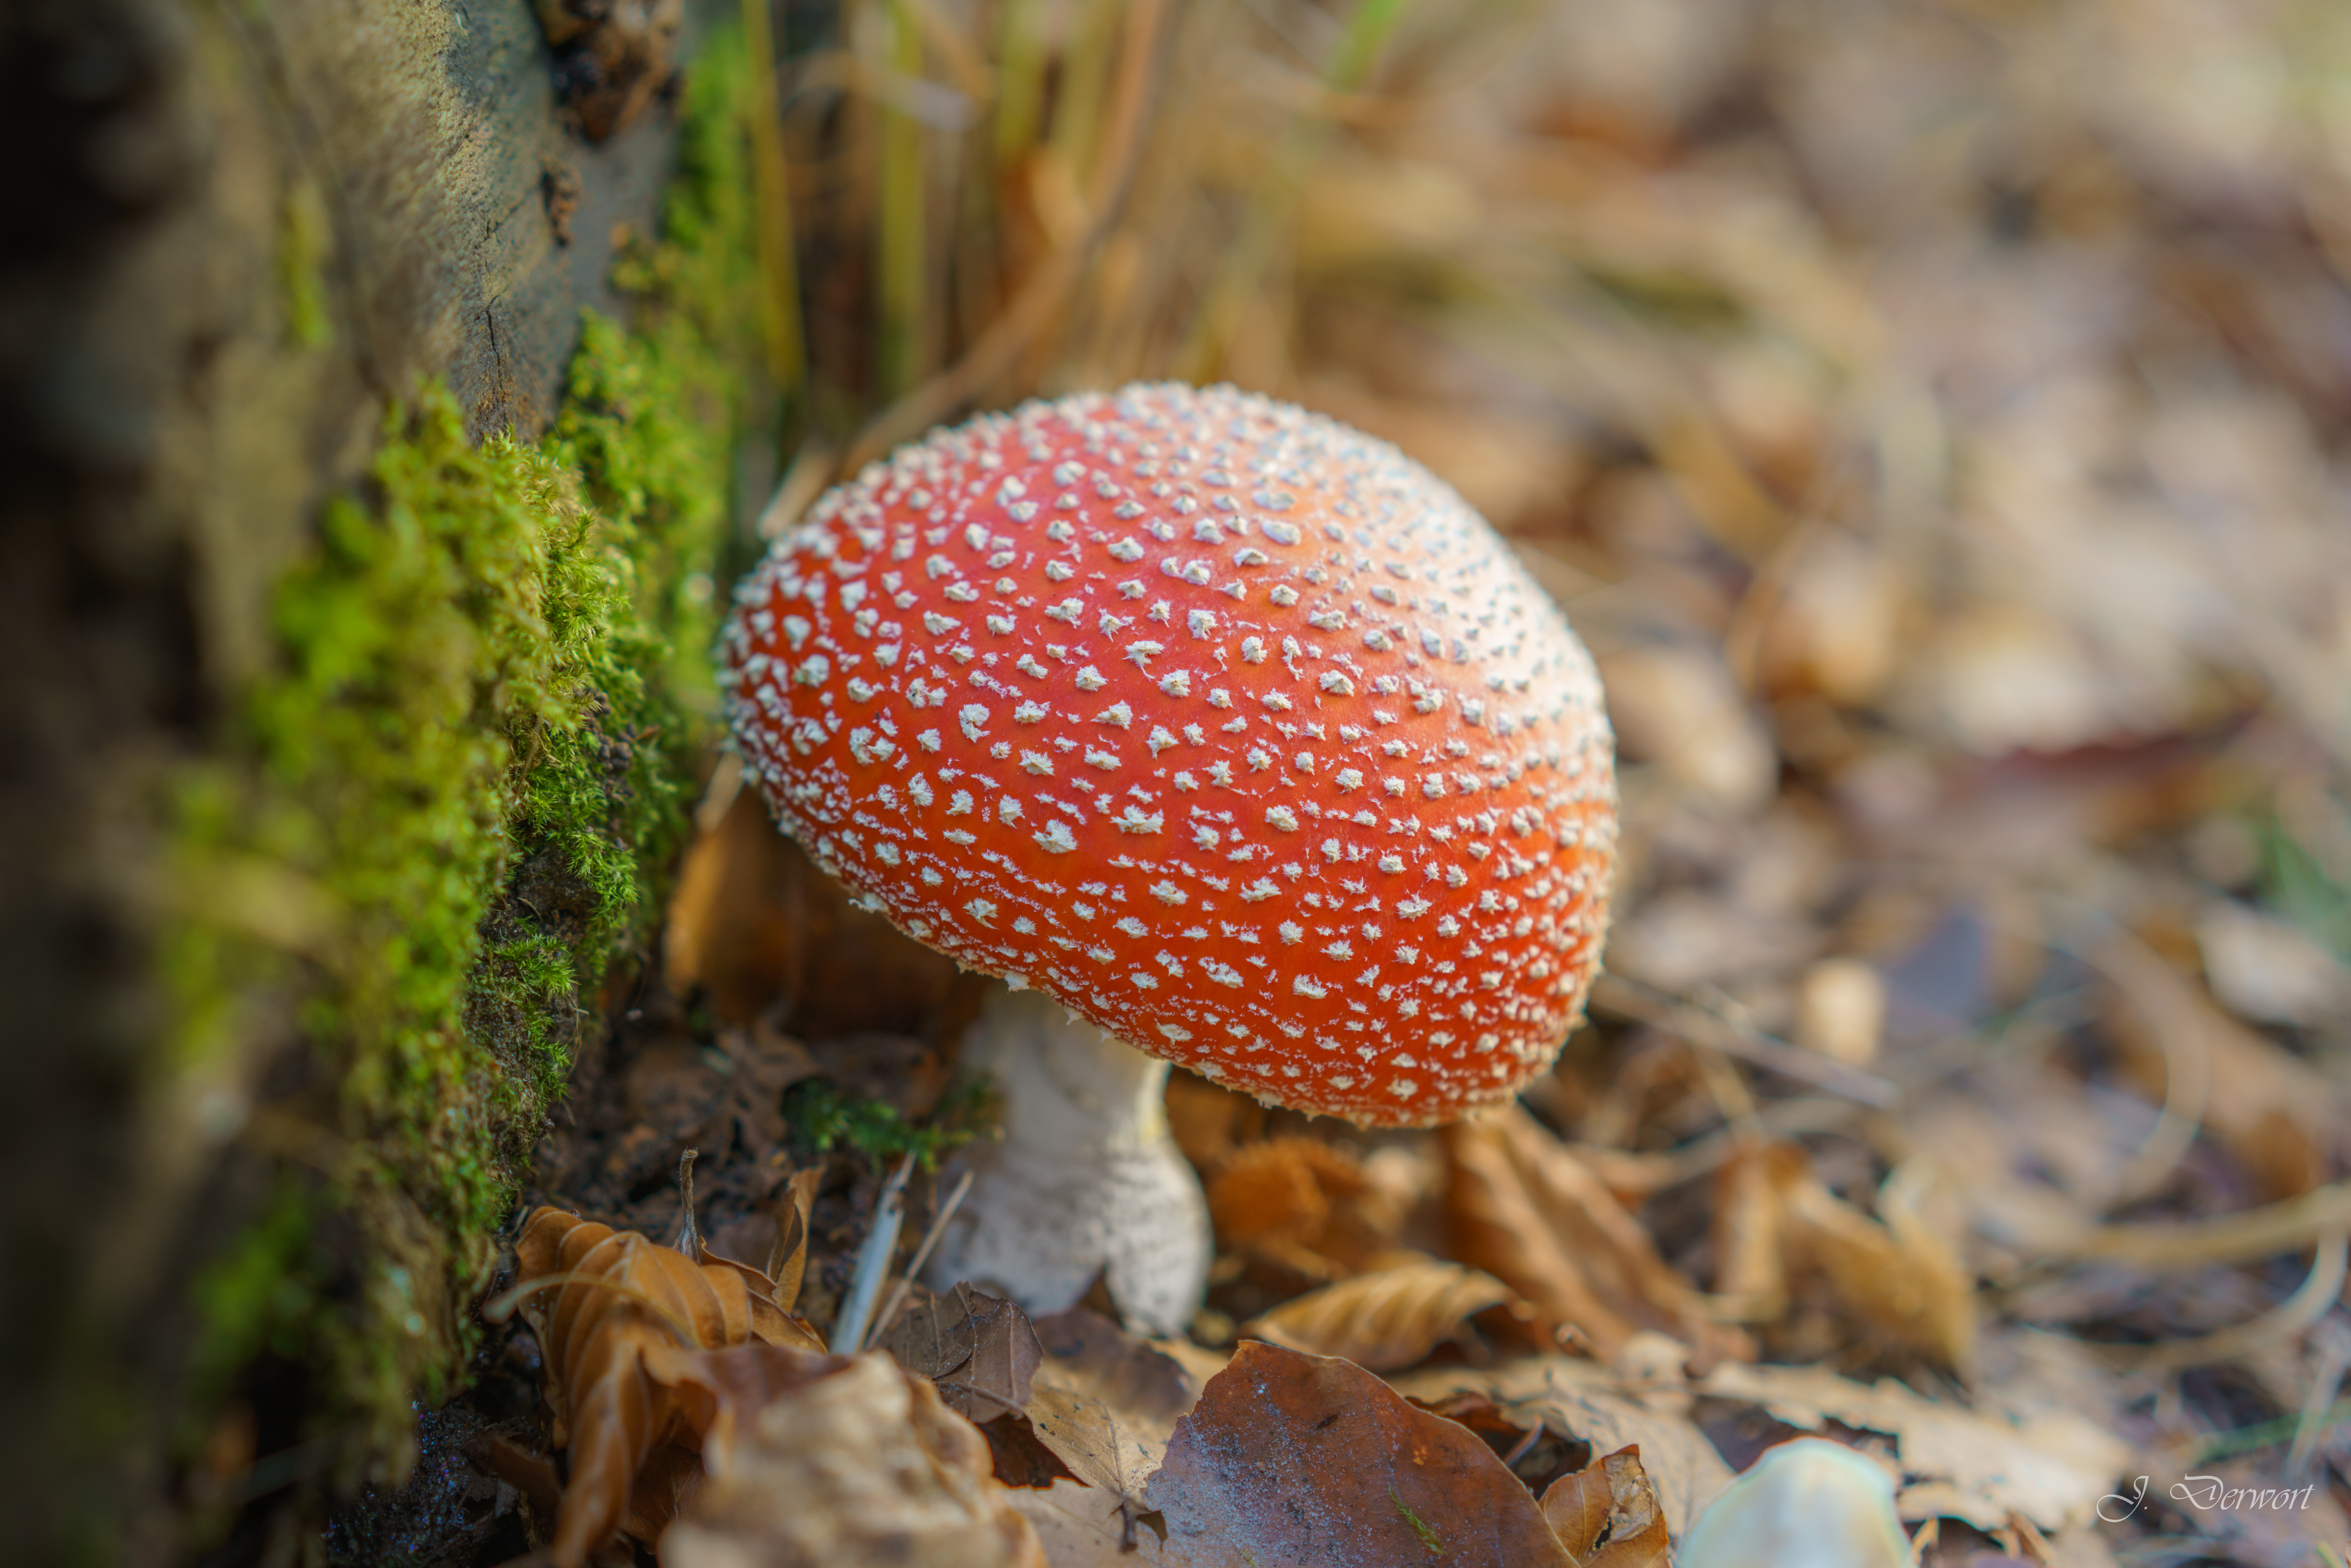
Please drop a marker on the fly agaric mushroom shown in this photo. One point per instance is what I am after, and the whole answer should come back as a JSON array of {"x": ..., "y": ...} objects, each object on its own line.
[{"x": 1231, "y": 730}]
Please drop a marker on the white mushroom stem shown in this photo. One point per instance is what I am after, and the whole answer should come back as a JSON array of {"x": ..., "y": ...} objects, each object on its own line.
[{"x": 1086, "y": 1181}]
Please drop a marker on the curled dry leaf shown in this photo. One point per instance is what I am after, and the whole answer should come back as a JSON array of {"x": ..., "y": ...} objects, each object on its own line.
[
  {"x": 826, "y": 1461},
  {"x": 1607, "y": 1515},
  {"x": 1525, "y": 1209},
  {"x": 1385, "y": 1320},
  {"x": 787, "y": 1261},
  {"x": 610, "y": 1308},
  {"x": 1898, "y": 1282},
  {"x": 1301, "y": 1459}
]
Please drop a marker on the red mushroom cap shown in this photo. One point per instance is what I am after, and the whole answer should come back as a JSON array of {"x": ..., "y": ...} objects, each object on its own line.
[{"x": 1233, "y": 729}]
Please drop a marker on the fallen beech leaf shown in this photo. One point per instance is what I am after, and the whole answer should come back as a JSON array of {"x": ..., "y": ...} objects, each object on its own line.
[
  {"x": 753, "y": 924},
  {"x": 766, "y": 1061},
  {"x": 1209, "y": 1121},
  {"x": 844, "y": 1461},
  {"x": 979, "y": 1349},
  {"x": 1102, "y": 1449},
  {"x": 2266, "y": 969},
  {"x": 1607, "y": 1514},
  {"x": 1088, "y": 1353},
  {"x": 1080, "y": 1526},
  {"x": 1299, "y": 1460},
  {"x": 1577, "y": 1399},
  {"x": 1525, "y": 1209},
  {"x": 1383, "y": 1320},
  {"x": 1543, "y": 1456},
  {"x": 1105, "y": 1405},
  {"x": 1841, "y": 1010},
  {"x": 606, "y": 1305}
]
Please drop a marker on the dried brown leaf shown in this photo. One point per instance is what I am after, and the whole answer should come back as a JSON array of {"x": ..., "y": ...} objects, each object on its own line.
[
  {"x": 842, "y": 1461},
  {"x": 1841, "y": 1010},
  {"x": 1385, "y": 1320},
  {"x": 765, "y": 1062},
  {"x": 1525, "y": 1209},
  {"x": 1299, "y": 1460},
  {"x": 608, "y": 1308},
  {"x": 1209, "y": 1121},
  {"x": 1303, "y": 1205},
  {"x": 1607, "y": 1514},
  {"x": 753, "y": 920},
  {"x": 2265, "y": 1106},
  {"x": 1750, "y": 1272},
  {"x": 1898, "y": 1281},
  {"x": 1105, "y": 1405},
  {"x": 1090, "y": 1355},
  {"x": 979, "y": 1349},
  {"x": 1079, "y": 1527},
  {"x": 788, "y": 1263},
  {"x": 1596, "y": 1404}
]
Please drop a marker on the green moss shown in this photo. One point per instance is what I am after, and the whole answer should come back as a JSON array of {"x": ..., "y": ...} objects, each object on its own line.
[
  {"x": 821, "y": 1116},
  {"x": 445, "y": 812},
  {"x": 1430, "y": 1541}
]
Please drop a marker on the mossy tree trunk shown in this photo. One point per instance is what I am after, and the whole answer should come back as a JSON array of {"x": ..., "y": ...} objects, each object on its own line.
[{"x": 368, "y": 437}]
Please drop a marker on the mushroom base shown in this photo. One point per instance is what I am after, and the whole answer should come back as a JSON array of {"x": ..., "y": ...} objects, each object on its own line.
[{"x": 1086, "y": 1183}]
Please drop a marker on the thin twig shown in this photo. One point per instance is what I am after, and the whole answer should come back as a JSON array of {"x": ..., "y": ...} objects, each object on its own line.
[
  {"x": 2155, "y": 990},
  {"x": 921, "y": 1256},
  {"x": 2309, "y": 1303},
  {"x": 2242, "y": 1237},
  {"x": 872, "y": 1261},
  {"x": 688, "y": 1238}
]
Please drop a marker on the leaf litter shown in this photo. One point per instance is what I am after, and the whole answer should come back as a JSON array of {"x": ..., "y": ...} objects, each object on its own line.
[{"x": 1935, "y": 419}]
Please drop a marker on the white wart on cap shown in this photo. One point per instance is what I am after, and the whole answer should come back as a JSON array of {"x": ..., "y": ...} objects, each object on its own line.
[{"x": 1230, "y": 727}]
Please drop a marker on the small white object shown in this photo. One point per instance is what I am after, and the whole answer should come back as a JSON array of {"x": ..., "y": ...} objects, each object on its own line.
[{"x": 1809, "y": 1504}]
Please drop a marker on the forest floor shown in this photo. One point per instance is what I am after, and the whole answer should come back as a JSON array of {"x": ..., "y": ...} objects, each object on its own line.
[{"x": 1933, "y": 417}]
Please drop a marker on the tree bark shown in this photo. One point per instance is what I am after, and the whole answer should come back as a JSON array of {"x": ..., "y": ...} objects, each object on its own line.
[{"x": 234, "y": 235}]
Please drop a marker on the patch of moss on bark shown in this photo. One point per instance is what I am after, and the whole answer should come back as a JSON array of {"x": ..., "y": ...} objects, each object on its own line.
[{"x": 446, "y": 812}]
